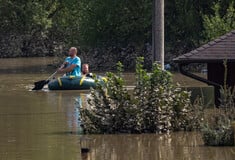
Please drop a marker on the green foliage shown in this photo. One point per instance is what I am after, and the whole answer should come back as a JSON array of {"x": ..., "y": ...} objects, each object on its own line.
[
  {"x": 184, "y": 29},
  {"x": 107, "y": 22},
  {"x": 65, "y": 18},
  {"x": 218, "y": 132},
  {"x": 111, "y": 108},
  {"x": 39, "y": 23},
  {"x": 56, "y": 24},
  {"x": 163, "y": 105},
  {"x": 219, "y": 23},
  {"x": 155, "y": 106},
  {"x": 24, "y": 16},
  {"x": 120, "y": 22}
]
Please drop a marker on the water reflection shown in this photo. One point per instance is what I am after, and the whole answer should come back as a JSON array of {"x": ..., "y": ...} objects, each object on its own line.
[
  {"x": 27, "y": 65},
  {"x": 69, "y": 102},
  {"x": 29, "y": 125},
  {"x": 176, "y": 146},
  {"x": 179, "y": 145}
]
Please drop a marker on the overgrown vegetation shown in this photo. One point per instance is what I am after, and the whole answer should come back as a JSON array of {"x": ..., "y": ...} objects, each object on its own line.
[
  {"x": 155, "y": 106},
  {"x": 217, "y": 129},
  {"x": 45, "y": 27},
  {"x": 219, "y": 24}
]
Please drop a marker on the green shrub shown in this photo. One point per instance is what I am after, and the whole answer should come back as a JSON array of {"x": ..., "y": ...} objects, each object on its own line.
[
  {"x": 219, "y": 132},
  {"x": 155, "y": 106},
  {"x": 112, "y": 110}
]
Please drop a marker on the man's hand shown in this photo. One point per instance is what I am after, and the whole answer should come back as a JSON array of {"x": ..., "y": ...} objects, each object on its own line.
[
  {"x": 60, "y": 70},
  {"x": 68, "y": 69}
]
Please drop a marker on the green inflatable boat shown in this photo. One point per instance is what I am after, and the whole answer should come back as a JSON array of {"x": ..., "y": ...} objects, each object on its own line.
[{"x": 73, "y": 83}]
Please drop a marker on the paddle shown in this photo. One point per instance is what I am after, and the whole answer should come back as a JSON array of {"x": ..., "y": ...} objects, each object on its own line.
[{"x": 40, "y": 84}]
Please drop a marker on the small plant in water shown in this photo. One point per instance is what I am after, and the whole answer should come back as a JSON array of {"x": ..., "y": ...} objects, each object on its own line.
[
  {"x": 155, "y": 106},
  {"x": 217, "y": 130}
]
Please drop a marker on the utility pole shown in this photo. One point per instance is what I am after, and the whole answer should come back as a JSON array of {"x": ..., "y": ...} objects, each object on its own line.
[{"x": 158, "y": 32}]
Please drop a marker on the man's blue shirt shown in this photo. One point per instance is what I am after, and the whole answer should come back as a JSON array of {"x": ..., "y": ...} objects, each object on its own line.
[{"x": 77, "y": 70}]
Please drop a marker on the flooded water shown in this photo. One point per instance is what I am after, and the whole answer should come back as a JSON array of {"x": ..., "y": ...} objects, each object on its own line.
[{"x": 44, "y": 125}]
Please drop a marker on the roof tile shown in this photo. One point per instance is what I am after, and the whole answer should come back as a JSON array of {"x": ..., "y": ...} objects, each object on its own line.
[{"x": 218, "y": 49}]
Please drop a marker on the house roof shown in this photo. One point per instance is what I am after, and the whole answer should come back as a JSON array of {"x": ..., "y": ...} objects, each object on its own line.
[{"x": 215, "y": 51}]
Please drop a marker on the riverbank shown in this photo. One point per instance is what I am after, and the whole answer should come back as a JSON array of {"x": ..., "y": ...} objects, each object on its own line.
[{"x": 99, "y": 59}]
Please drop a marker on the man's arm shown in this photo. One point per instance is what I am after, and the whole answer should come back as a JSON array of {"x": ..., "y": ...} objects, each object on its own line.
[{"x": 68, "y": 69}]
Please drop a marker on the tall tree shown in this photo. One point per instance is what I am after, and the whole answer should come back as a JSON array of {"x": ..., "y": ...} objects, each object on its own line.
[
  {"x": 119, "y": 22},
  {"x": 38, "y": 24},
  {"x": 184, "y": 24},
  {"x": 219, "y": 23}
]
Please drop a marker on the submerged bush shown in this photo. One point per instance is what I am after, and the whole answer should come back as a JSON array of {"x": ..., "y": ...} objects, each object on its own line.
[
  {"x": 217, "y": 130},
  {"x": 155, "y": 106},
  {"x": 112, "y": 109}
]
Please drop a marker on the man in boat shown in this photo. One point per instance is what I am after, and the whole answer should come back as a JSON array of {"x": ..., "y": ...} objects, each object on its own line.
[
  {"x": 72, "y": 64},
  {"x": 85, "y": 71}
]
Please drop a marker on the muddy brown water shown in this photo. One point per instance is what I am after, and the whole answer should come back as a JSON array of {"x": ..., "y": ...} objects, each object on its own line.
[{"x": 44, "y": 125}]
